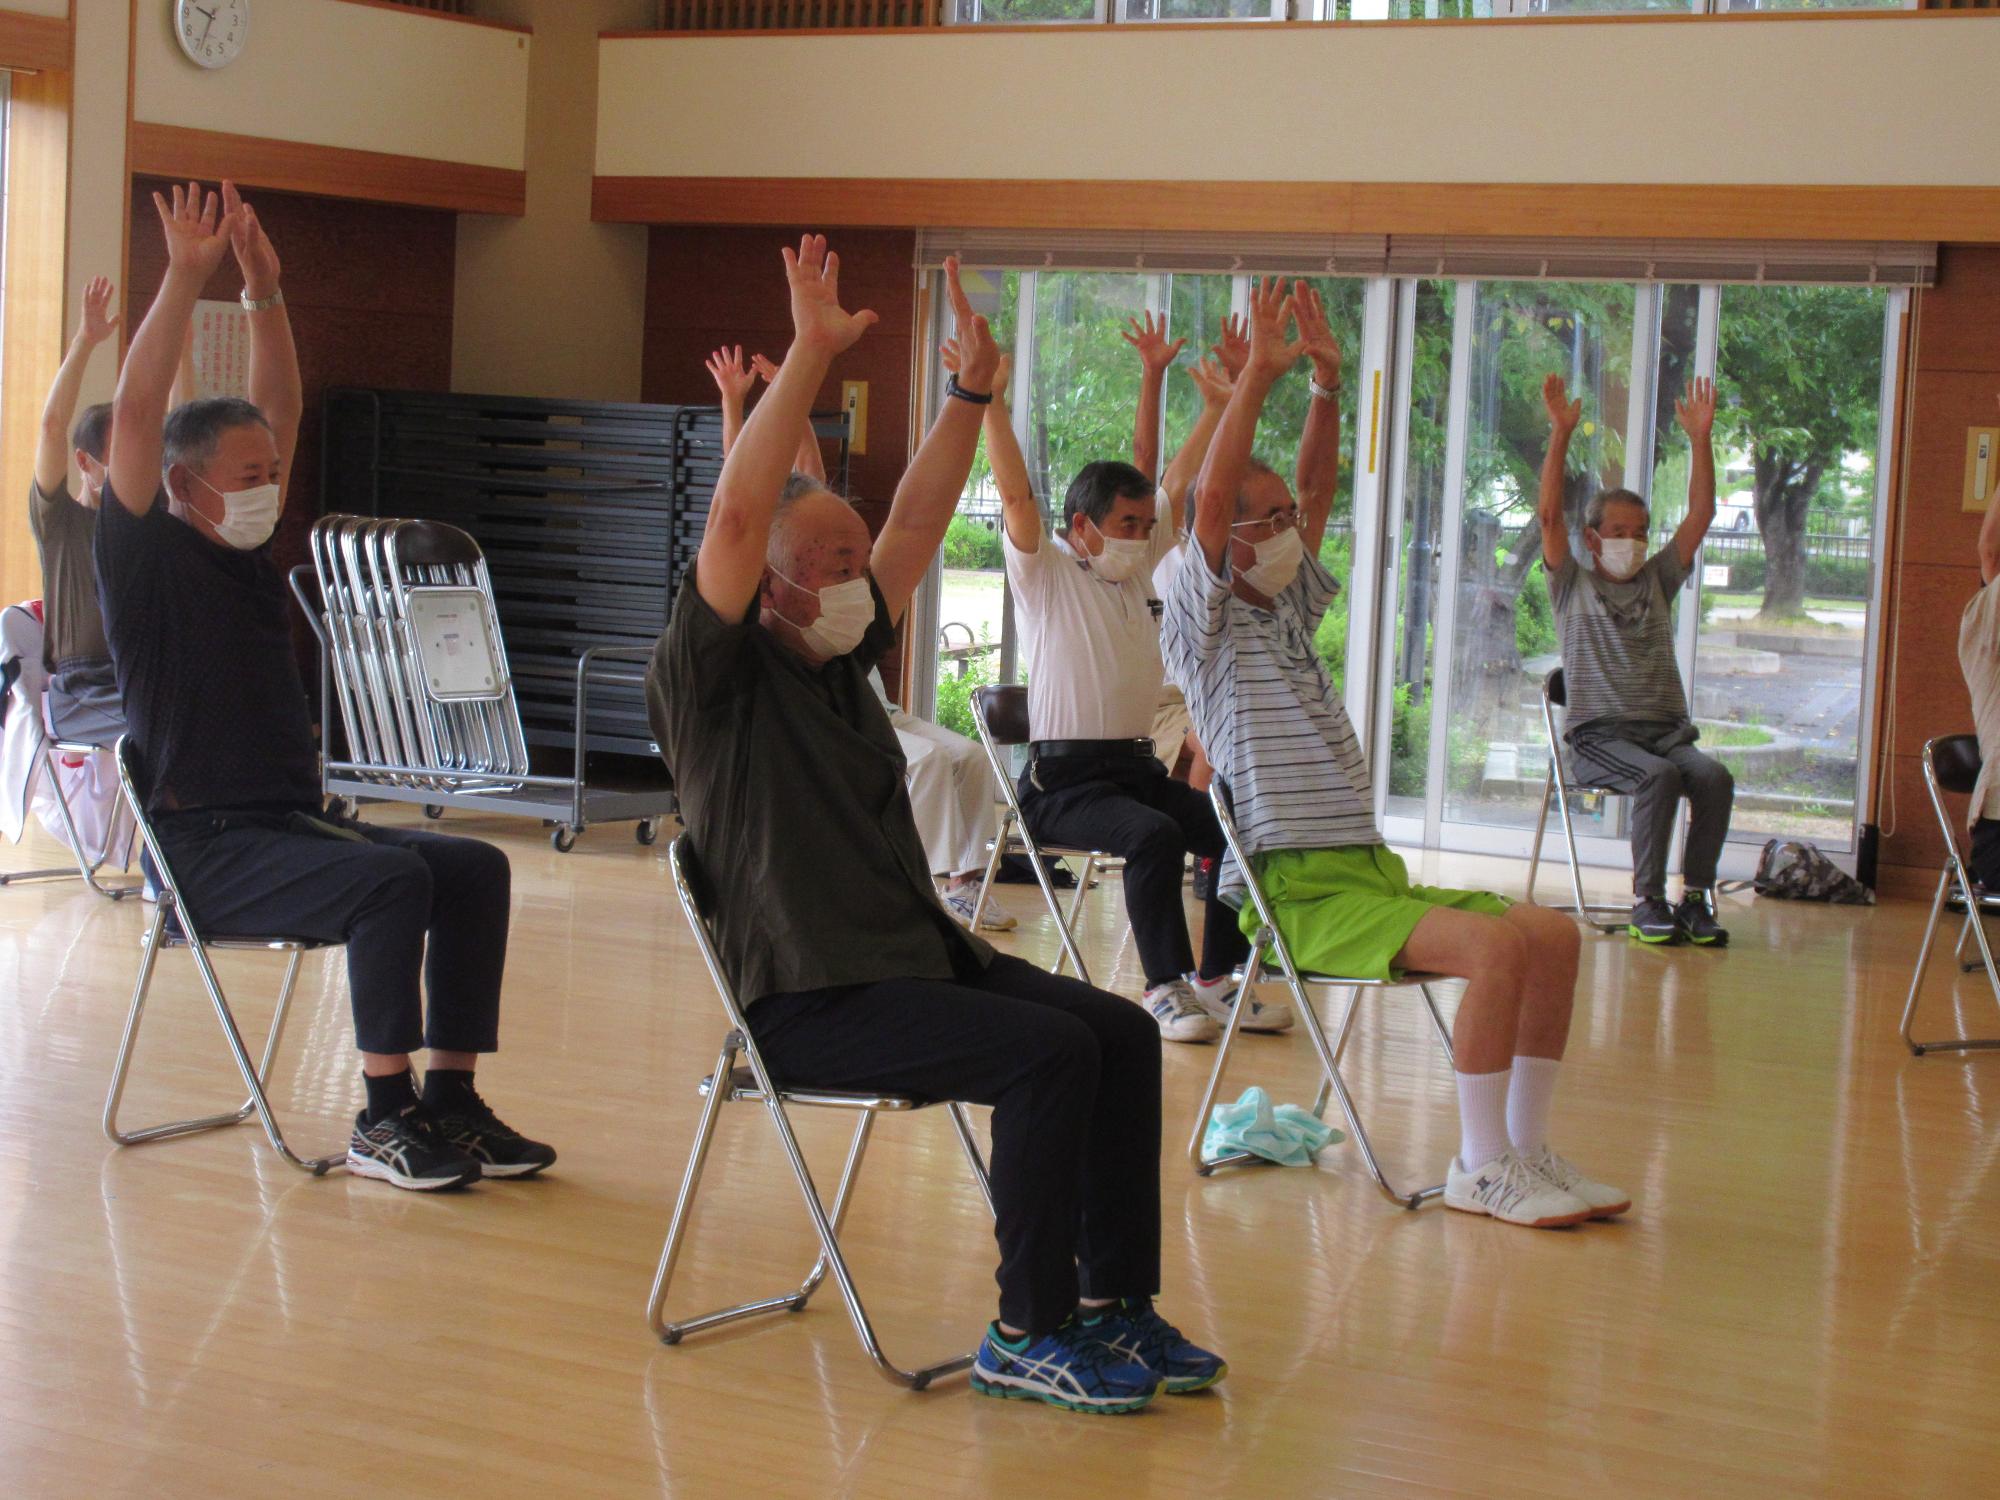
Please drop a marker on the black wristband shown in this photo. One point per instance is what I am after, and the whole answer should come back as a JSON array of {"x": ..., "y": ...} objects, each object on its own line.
[{"x": 953, "y": 388}]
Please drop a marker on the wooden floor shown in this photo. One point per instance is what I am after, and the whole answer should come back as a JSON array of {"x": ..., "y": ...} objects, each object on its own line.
[{"x": 1806, "y": 1301}]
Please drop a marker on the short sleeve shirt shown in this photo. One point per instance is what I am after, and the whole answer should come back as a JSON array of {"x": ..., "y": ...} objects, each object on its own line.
[
  {"x": 1979, "y": 659},
  {"x": 201, "y": 641},
  {"x": 1266, "y": 712},
  {"x": 1092, "y": 646},
  {"x": 790, "y": 783},
  {"x": 73, "y": 625},
  {"x": 1618, "y": 642}
]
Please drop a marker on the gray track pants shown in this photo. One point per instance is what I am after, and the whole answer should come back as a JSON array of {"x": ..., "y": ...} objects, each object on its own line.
[{"x": 1657, "y": 766}]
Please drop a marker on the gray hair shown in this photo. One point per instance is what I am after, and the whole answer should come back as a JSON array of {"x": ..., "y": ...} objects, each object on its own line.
[
  {"x": 778, "y": 550},
  {"x": 193, "y": 431},
  {"x": 1593, "y": 513}
]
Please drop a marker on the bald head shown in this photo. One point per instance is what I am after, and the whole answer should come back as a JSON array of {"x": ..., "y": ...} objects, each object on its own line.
[{"x": 817, "y": 538}]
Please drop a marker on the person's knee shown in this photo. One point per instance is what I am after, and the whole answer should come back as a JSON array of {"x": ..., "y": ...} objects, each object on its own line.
[
  {"x": 1159, "y": 838},
  {"x": 1069, "y": 1050},
  {"x": 402, "y": 881},
  {"x": 1661, "y": 779},
  {"x": 1501, "y": 956},
  {"x": 1709, "y": 781}
]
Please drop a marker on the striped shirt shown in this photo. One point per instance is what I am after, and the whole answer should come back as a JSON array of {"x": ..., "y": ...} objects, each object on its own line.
[
  {"x": 1266, "y": 712},
  {"x": 1618, "y": 642}
]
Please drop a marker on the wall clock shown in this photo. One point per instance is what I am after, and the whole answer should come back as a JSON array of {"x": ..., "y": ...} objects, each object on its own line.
[{"x": 212, "y": 32}]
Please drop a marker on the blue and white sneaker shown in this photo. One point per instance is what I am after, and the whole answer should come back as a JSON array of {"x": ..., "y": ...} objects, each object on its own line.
[
  {"x": 1072, "y": 1368},
  {"x": 1133, "y": 1330}
]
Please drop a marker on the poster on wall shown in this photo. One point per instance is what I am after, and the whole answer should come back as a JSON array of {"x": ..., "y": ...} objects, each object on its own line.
[{"x": 221, "y": 349}]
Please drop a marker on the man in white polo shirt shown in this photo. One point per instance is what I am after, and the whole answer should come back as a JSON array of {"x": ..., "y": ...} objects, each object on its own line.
[{"x": 1090, "y": 628}]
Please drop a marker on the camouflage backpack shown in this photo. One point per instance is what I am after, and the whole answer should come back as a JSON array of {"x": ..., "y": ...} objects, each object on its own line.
[{"x": 1795, "y": 870}]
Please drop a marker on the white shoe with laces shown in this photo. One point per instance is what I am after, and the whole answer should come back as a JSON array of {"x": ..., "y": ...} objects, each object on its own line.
[
  {"x": 1605, "y": 1201},
  {"x": 960, "y": 901},
  {"x": 1218, "y": 998},
  {"x": 1508, "y": 1189},
  {"x": 1182, "y": 1017}
]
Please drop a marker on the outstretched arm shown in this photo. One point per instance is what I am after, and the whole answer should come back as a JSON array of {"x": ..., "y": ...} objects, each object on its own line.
[
  {"x": 274, "y": 382},
  {"x": 198, "y": 235},
  {"x": 931, "y": 486},
  {"x": 1564, "y": 414},
  {"x": 732, "y": 385},
  {"x": 52, "y": 449},
  {"x": 1020, "y": 513},
  {"x": 1696, "y": 411},
  {"x": 809, "y": 461},
  {"x": 731, "y": 561},
  {"x": 1271, "y": 354},
  {"x": 1215, "y": 384},
  {"x": 1318, "y": 474},
  {"x": 1155, "y": 355}
]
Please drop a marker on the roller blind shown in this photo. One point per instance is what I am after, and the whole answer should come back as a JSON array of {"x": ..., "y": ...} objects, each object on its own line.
[{"x": 1807, "y": 262}]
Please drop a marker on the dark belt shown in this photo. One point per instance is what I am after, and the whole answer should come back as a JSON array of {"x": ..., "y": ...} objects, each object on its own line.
[{"x": 1103, "y": 749}]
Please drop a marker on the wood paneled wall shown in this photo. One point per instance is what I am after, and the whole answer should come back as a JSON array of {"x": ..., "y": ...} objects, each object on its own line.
[{"x": 1955, "y": 375}]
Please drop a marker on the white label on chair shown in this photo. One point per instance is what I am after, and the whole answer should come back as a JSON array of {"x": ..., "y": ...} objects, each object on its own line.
[{"x": 457, "y": 644}]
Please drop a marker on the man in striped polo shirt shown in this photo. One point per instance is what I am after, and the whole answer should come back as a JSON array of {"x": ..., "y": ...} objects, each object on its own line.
[
  {"x": 1240, "y": 618},
  {"x": 1627, "y": 723}
]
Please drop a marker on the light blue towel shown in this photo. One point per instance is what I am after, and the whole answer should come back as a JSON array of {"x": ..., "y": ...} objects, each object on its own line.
[{"x": 1283, "y": 1133}]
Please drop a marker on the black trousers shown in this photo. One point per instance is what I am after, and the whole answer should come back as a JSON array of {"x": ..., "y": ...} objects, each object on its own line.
[
  {"x": 405, "y": 902},
  {"x": 1073, "y": 1075},
  {"x": 1986, "y": 853},
  {"x": 1131, "y": 807}
]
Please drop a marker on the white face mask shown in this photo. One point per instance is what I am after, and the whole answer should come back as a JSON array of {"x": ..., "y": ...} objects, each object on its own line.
[
  {"x": 1277, "y": 564},
  {"x": 846, "y": 610},
  {"x": 1120, "y": 559},
  {"x": 248, "y": 516},
  {"x": 1619, "y": 557}
]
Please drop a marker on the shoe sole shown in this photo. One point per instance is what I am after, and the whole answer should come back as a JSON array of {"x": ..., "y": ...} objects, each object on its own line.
[
  {"x": 1267, "y": 1028},
  {"x": 1188, "y": 1388},
  {"x": 368, "y": 1166},
  {"x": 988, "y": 1386},
  {"x": 1612, "y": 1212},
  {"x": 1665, "y": 939},
  {"x": 1559, "y": 1221},
  {"x": 528, "y": 1169},
  {"x": 1705, "y": 942}
]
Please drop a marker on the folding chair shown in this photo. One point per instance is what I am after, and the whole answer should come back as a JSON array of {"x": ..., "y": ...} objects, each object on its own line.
[
  {"x": 1951, "y": 764},
  {"x": 1001, "y": 715},
  {"x": 751, "y": 1083},
  {"x": 23, "y": 629},
  {"x": 1558, "y": 784},
  {"x": 1299, "y": 982},
  {"x": 184, "y": 934}
]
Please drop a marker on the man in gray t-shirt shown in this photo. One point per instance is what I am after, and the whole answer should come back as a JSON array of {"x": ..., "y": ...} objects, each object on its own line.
[{"x": 1627, "y": 721}]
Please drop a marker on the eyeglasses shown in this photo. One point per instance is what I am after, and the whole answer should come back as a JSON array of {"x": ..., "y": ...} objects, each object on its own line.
[{"x": 1278, "y": 520}]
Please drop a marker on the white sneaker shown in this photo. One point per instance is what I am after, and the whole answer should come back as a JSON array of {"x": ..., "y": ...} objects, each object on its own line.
[
  {"x": 962, "y": 899},
  {"x": 1181, "y": 1016},
  {"x": 1510, "y": 1190},
  {"x": 1605, "y": 1201},
  {"x": 1218, "y": 998}
]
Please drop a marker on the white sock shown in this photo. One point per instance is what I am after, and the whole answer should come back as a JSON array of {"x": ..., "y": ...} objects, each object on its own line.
[
  {"x": 1528, "y": 1102},
  {"x": 1482, "y": 1116}
]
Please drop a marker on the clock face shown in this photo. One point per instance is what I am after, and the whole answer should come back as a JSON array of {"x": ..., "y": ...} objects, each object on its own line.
[{"x": 212, "y": 32}]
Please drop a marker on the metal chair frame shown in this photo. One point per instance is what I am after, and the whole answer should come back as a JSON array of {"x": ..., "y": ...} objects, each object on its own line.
[
  {"x": 1300, "y": 982},
  {"x": 255, "y": 1078},
  {"x": 750, "y": 1082},
  {"x": 1557, "y": 784},
  {"x": 1014, "y": 837},
  {"x": 1956, "y": 886}
]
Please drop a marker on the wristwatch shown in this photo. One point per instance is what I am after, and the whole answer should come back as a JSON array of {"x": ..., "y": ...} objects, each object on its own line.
[
  {"x": 259, "y": 304},
  {"x": 953, "y": 388},
  {"x": 1323, "y": 392}
]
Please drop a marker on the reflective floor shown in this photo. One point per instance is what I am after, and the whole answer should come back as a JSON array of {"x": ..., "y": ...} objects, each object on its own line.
[{"x": 1804, "y": 1302}]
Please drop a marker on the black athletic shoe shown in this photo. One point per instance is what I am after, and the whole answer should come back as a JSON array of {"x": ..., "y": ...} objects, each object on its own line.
[
  {"x": 408, "y": 1150},
  {"x": 469, "y": 1125},
  {"x": 1653, "y": 921},
  {"x": 1698, "y": 924}
]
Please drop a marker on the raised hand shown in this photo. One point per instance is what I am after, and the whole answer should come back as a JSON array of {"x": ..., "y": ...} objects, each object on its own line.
[
  {"x": 1317, "y": 335},
  {"x": 762, "y": 366},
  {"x": 197, "y": 236},
  {"x": 952, "y": 357},
  {"x": 1564, "y": 413},
  {"x": 1696, "y": 410},
  {"x": 99, "y": 321},
  {"x": 978, "y": 355},
  {"x": 1150, "y": 339},
  {"x": 1273, "y": 310},
  {"x": 254, "y": 255},
  {"x": 725, "y": 368},
  {"x": 1233, "y": 348},
  {"x": 819, "y": 322},
  {"x": 1213, "y": 381}
]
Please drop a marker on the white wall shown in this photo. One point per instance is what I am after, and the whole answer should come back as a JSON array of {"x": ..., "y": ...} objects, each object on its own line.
[
  {"x": 1850, "y": 102},
  {"x": 354, "y": 76}
]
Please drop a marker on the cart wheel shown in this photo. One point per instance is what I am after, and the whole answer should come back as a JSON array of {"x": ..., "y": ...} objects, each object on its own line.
[
  {"x": 647, "y": 831},
  {"x": 564, "y": 838},
  {"x": 433, "y": 811},
  {"x": 342, "y": 807}
]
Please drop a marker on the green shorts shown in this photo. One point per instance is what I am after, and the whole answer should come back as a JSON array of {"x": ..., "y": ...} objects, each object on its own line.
[{"x": 1349, "y": 911}]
